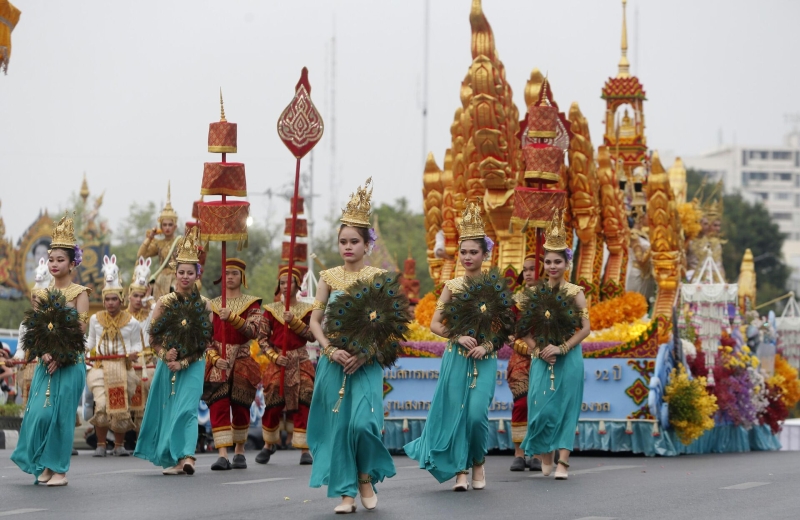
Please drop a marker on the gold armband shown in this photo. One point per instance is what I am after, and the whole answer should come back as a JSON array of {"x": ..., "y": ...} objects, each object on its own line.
[
  {"x": 236, "y": 321},
  {"x": 271, "y": 354},
  {"x": 184, "y": 364},
  {"x": 488, "y": 346},
  {"x": 83, "y": 317},
  {"x": 520, "y": 347},
  {"x": 297, "y": 325},
  {"x": 439, "y": 305},
  {"x": 213, "y": 356},
  {"x": 328, "y": 352},
  {"x": 584, "y": 313},
  {"x": 318, "y": 306}
]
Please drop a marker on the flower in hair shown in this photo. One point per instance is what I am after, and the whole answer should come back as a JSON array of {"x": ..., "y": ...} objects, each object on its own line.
[
  {"x": 489, "y": 244},
  {"x": 78, "y": 255},
  {"x": 199, "y": 270},
  {"x": 373, "y": 236},
  {"x": 568, "y": 253}
]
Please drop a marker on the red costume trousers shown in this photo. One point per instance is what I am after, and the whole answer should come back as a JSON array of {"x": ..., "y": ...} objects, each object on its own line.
[
  {"x": 227, "y": 432},
  {"x": 519, "y": 419},
  {"x": 271, "y": 421}
]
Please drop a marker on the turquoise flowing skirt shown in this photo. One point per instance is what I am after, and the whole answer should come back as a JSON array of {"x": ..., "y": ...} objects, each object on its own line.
[
  {"x": 169, "y": 426},
  {"x": 456, "y": 432},
  {"x": 553, "y": 414},
  {"x": 48, "y": 432},
  {"x": 349, "y": 442}
]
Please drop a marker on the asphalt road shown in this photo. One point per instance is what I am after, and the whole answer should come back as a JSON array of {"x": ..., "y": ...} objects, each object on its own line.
[{"x": 746, "y": 486}]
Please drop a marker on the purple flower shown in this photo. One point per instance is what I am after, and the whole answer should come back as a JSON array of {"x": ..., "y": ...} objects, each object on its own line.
[
  {"x": 199, "y": 270},
  {"x": 568, "y": 253},
  {"x": 489, "y": 244},
  {"x": 373, "y": 236},
  {"x": 78, "y": 255}
]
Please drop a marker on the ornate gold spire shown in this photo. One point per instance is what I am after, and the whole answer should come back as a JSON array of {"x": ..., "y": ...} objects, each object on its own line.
[
  {"x": 356, "y": 213},
  {"x": 84, "y": 189},
  {"x": 555, "y": 238},
  {"x": 624, "y": 65},
  {"x": 471, "y": 225},
  {"x": 221, "y": 108},
  {"x": 188, "y": 248},
  {"x": 168, "y": 212},
  {"x": 64, "y": 233}
]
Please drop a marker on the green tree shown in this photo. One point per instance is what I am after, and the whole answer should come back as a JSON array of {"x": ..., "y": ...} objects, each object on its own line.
[
  {"x": 11, "y": 313},
  {"x": 746, "y": 225}
]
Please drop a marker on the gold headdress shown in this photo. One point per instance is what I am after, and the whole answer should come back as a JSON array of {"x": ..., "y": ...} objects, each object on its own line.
[
  {"x": 135, "y": 287},
  {"x": 712, "y": 205},
  {"x": 356, "y": 213},
  {"x": 64, "y": 233},
  {"x": 555, "y": 236},
  {"x": 168, "y": 212},
  {"x": 188, "y": 248},
  {"x": 471, "y": 225}
]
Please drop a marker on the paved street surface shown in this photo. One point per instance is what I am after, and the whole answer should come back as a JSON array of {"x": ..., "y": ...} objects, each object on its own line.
[{"x": 746, "y": 486}]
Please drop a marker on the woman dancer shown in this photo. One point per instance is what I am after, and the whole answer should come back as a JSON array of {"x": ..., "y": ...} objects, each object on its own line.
[
  {"x": 168, "y": 436},
  {"x": 45, "y": 440},
  {"x": 346, "y": 444},
  {"x": 556, "y": 379},
  {"x": 456, "y": 433}
]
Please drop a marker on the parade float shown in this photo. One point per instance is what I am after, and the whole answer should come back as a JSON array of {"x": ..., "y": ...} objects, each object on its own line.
[{"x": 675, "y": 362}]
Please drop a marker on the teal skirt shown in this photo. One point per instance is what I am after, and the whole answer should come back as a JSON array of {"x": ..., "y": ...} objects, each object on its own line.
[
  {"x": 553, "y": 414},
  {"x": 456, "y": 433},
  {"x": 169, "y": 427},
  {"x": 347, "y": 442},
  {"x": 48, "y": 432}
]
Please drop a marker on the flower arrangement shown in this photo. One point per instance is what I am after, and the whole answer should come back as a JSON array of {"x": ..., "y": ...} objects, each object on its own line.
[
  {"x": 690, "y": 215},
  {"x": 619, "y": 332},
  {"x": 417, "y": 332},
  {"x": 423, "y": 314},
  {"x": 625, "y": 309},
  {"x": 776, "y": 411},
  {"x": 691, "y": 407},
  {"x": 786, "y": 378}
]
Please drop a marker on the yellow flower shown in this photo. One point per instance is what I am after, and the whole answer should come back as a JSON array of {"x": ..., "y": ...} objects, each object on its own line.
[{"x": 691, "y": 407}]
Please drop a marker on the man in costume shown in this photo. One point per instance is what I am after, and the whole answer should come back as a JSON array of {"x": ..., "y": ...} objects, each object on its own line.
[
  {"x": 163, "y": 248},
  {"x": 299, "y": 372},
  {"x": 115, "y": 341},
  {"x": 231, "y": 374},
  {"x": 146, "y": 361}
]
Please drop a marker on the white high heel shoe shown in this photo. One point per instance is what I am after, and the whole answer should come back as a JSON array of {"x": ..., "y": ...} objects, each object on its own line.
[
  {"x": 369, "y": 503},
  {"x": 478, "y": 484},
  {"x": 344, "y": 509},
  {"x": 464, "y": 486}
]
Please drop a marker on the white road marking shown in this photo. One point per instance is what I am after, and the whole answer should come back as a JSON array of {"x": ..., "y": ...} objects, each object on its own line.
[
  {"x": 20, "y": 512},
  {"x": 259, "y": 481},
  {"x": 588, "y": 471},
  {"x": 747, "y": 485},
  {"x": 120, "y": 471},
  {"x": 598, "y": 518}
]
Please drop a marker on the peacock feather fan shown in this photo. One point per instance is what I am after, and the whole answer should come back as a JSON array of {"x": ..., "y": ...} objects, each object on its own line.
[
  {"x": 482, "y": 307},
  {"x": 52, "y": 327},
  {"x": 549, "y": 314},
  {"x": 184, "y": 326},
  {"x": 370, "y": 319}
]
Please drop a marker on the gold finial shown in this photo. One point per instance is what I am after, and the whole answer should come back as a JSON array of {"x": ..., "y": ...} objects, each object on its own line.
[
  {"x": 63, "y": 236},
  {"x": 84, "y": 189},
  {"x": 624, "y": 65},
  {"x": 544, "y": 101},
  {"x": 471, "y": 225},
  {"x": 356, "y": 213},
  {"x": 555, "y": 234},
  {"x": 533, "y": 87},
  {"x": 168, "y": 212},
  {"x": 221, "y": 108}
]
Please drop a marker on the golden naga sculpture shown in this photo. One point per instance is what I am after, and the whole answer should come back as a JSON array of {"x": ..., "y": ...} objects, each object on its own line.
[
  {"x": 584, "y": 203},
  {"x": 615, "y": 226},
  {"x": 484, "y": 157},
  {"x": 747, "y": 283},
  {"x": 664, "y": 223},
  {"x": 433, "y": 192}
]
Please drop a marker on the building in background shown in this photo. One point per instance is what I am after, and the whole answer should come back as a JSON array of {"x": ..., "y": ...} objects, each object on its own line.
[{"x": 770, "y": 175}]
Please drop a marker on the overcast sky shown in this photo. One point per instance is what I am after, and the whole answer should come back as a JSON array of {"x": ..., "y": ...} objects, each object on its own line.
[{"x": 124, "y": 91}]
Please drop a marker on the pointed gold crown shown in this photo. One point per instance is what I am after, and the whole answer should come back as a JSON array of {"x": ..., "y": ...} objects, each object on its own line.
[
  {"x": 64, "y": 233},
  {"x": 555, "y": 236},
  {"x": 712, "y": 206},
  {"x": 471, "y": 225},
  {"x": 356, "y": 213},
  {"x": 168, "y": 212},
  {"x": 188, "y": 248}
]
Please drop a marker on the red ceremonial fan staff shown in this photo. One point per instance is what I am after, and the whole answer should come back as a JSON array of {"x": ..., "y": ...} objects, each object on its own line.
[{"x": 300, "y": 128}]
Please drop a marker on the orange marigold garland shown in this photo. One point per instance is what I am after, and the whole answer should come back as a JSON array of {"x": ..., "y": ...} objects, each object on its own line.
[
  {"x": 625, "y": 309},
  {"x": 423, "y": 314},
  {"x": 786, "y": 377}
]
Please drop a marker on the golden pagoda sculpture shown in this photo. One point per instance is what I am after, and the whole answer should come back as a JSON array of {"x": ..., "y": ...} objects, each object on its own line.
[{"x": 483, "y": 160}]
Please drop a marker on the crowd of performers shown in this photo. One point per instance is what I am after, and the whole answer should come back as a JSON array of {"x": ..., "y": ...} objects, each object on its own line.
[{"x": 337, "y": 409}]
